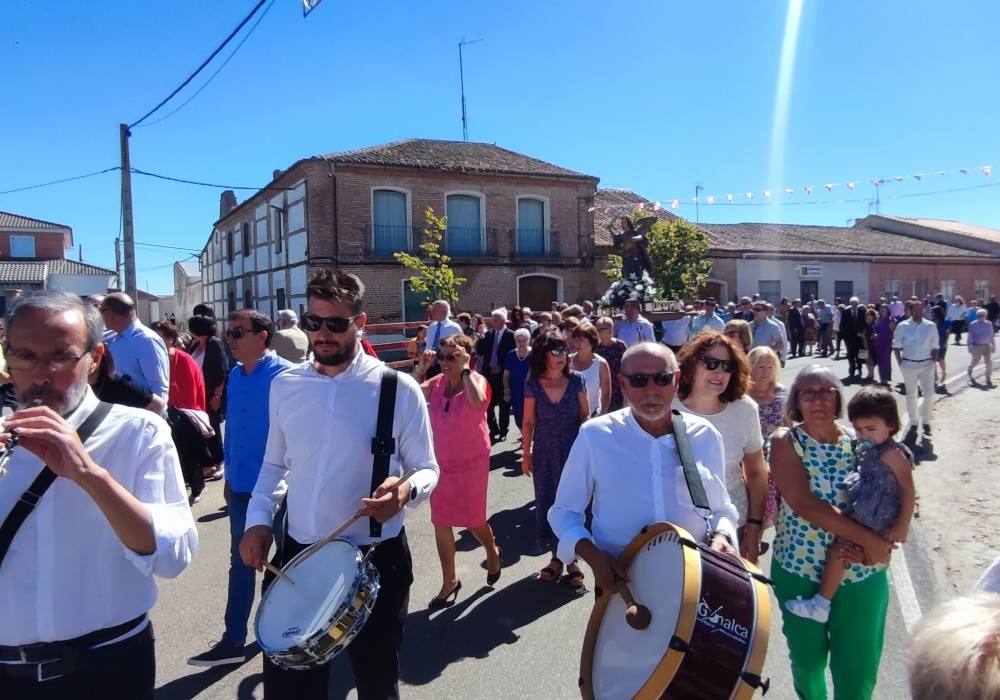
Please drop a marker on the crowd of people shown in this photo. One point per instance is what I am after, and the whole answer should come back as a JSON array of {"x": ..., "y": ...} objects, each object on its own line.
[{"x": 141, "y": 417}]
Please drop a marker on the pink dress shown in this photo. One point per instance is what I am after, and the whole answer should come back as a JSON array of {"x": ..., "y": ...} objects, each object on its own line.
[{"x": 462, "y": 446}]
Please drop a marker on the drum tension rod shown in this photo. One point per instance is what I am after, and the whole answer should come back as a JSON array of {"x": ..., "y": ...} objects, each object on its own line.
[
  {"x": 755, "y": 681},
  {"x": 678, "y": 644}
]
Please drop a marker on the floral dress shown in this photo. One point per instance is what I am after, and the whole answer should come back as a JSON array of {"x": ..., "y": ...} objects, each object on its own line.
[{"x": 613, "y": 354}]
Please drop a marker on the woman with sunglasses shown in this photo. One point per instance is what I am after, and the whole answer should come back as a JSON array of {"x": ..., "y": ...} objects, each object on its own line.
[
  {"x": 457, "y": 400},
  {"x": 715, "y": 377},
  {"x": 555, "y": 405}
]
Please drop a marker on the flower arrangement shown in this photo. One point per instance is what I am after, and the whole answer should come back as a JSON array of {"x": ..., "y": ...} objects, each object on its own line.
[{"x": 641, "y": 289}]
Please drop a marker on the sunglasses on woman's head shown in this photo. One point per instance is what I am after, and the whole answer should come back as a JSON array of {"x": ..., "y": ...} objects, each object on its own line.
[
  {"x": 639, "y": 380},
  {"x": 559, "y": 352},
  {"x": 335, "y": 324},
  {"x": 714, "y": 363}
]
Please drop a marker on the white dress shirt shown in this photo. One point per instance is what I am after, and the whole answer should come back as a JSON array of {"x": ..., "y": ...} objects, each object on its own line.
[
  {"x": 632, "y": 332},
  {"x": 319, "y": 450},
  {"x": 67, "y": 573},
  {"x": 916, "y": 341},
  {"x": 636, "y": 479}
]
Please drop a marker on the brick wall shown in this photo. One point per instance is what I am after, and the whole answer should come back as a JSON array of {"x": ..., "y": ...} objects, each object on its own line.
[
  {"x": 47, "y": 245},
  {"x": 964, "y": 274}
]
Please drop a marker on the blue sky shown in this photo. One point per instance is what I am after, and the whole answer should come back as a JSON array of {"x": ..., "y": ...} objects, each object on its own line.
[{"x": 650, "y": 95}]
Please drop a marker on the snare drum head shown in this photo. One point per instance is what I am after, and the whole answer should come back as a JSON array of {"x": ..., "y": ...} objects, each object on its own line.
[
  {"x": 625, "y": 658},
  {"x": 291, "y": 614}
]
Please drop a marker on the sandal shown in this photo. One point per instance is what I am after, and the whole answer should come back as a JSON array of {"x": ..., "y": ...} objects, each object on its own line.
[
  {"x": 575, "y": 576},
  {"x": 550, "y": 573}
]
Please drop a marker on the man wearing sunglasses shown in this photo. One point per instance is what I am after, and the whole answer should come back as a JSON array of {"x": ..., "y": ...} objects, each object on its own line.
[
  {"x": 322, "y": 419},
  {"x": 626, "y": 463}
]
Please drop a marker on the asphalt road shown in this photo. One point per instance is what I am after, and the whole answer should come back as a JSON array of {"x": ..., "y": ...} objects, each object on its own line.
[{"x": 521, "y": 639}]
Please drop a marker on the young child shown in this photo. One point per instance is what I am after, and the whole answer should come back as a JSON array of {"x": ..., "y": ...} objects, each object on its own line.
[{"x": 880, "y": 492}]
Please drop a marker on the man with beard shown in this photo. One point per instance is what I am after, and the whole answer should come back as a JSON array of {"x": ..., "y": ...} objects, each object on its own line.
[
  {"x": 627, "y": 466},
  {"x": 322, "y": 418},
  {"x": 93, "y": 505}
]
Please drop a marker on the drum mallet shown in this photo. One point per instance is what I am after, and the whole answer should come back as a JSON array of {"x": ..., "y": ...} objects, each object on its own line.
[{"x": 637, "y": 616}]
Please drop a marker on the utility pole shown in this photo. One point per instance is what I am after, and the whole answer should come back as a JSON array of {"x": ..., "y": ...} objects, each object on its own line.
[
  {"x": 130, "y": 287},
  {"x": 461, "y": 77},
  {"x": 118, "y": 263},
  {"x": 697, "y": 189}
]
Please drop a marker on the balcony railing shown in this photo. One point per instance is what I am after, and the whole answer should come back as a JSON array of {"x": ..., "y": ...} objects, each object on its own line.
[
  {"x": 462, "y": 242},
  {"x": 534, "y": 243},
  {"x": 383, "y": 241}
]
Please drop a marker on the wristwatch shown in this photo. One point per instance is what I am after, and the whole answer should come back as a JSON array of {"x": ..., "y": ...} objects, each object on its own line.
[
  {"x": 755, "y": 521},
  {"x": 466, "y": 372}
]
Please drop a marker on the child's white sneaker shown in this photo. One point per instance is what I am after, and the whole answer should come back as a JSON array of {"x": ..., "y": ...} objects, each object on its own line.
[{"x": 816, "y": 608}]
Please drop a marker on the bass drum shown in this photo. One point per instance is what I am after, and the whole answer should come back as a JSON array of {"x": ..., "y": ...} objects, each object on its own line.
[{"x": 708, "y": 635}]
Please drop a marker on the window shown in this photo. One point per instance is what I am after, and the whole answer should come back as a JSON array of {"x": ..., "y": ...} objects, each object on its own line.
[
  {"x": 948, "y": 289},
  {"x": 893, "y": 288},
  {"x": 232, "y": 300},
  {"x": 389, "y": 229},
  {"x": 464, "y": 234},
  {"x": 770, "y": 290},
  {"x": 230, "y": 245},
  {"x": 280, "y": 293},
  {"x": 920, "y": 289},
  {"x": 982, "y": 291},
  {"x": 278, "y": 229},
  {"x": 22, "y": 246},
  {"x": 248, "y": 292},
  {"x": 530, "y": 226},
  {"x": 843, "y": 289},
  {"x": 246, "y": 239}
]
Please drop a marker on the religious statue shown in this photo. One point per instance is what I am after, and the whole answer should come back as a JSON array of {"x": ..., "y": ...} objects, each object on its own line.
[{"x": 632, "y": 240}]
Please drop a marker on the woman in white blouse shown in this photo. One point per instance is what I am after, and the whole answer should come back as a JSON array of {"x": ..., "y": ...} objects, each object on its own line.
[
  {"x": 956, "y": 314},
  {"x": 715, "y": 376},
  {"x": 592, "y": 366}
]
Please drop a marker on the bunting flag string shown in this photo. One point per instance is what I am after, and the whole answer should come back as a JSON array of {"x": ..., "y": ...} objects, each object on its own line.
[{"x": 789, "y": 192}]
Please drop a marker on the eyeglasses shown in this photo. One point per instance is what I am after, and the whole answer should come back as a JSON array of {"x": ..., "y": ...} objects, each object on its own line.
[
  {"x": 714, "y": 363},
  {"x": 445, "y": 357},
  {"x": 639, "y": 380},
  {"x": 26, "y": 361},
  {"x": 759, "y": 308},
  {"x": 824, "y": 394},
  {"x": 335, "y": 324},
  {"x": 237, "y": 333},
  {"x": 559, "y": 352}
]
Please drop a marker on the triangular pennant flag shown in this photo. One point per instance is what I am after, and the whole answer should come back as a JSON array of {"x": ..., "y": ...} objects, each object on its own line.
[
  {"x": 828, "y": 187},
  {"x": 729, "y": 198},
  {"x": 789, "y": 190},
  {"x": 767, "y": 194},
  {"x": 656, "y": 206},
  {"x": 918, "y": 176},
  {"x": 711, "y": 200},
  {"x": 898, "y": 178},
  {"x": 850, "y": 185},
  {"x": 674, "y": 204},
  {"x": 809, "y": 190},
  {"x": 749, "y": 195},
  {"x": 987, "y": 170}
]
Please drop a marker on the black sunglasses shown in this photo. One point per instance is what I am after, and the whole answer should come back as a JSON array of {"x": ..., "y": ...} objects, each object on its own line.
[
  {"x": 639, "y": 381},
  {"x": 445, "y": 357},
  {"x": 335, "y": 324},
  {"x": 237, "y": 333},
  {"x": 713, "y": 363},
  {"x": 559, "y": 352}
]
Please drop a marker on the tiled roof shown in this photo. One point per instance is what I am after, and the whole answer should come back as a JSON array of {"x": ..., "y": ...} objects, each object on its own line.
[
  {"x": 959, "y": 227},
  {"x": 610, "y": 204},
  {"x": 15, "y": 221},
  {"x": 38, "y": 271},
  {"x": 455, "y": 156},
  {"x": 190, "y": 268},
  {"x": 793, "y": 239}
]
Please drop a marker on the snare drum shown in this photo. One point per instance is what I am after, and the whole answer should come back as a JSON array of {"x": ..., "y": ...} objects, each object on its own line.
[
  {"x": 708, "y": 635},
  {"x": 305, "y": 624}
]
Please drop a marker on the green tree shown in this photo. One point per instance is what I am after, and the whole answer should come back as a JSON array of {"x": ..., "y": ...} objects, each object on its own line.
[
  {"x": 614, "y": 269},
  {"x": 679, "y": 253},
  {"x": 433, "y": 275}
]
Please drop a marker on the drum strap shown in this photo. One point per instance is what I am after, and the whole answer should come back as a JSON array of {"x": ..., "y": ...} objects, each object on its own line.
[
  {"x": 690, "y": 465},
  {"x": 383, "y": 444},
  {"x": 30, "y": 498}
]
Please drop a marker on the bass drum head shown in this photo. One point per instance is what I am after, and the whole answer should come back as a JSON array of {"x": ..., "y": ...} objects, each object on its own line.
[
  {"x": 624, "y": 658},
  {"x": 289, "y": 615}
]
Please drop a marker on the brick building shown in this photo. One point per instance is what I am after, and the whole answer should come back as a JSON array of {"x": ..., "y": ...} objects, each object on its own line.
[{"x": 519, "y": 229}]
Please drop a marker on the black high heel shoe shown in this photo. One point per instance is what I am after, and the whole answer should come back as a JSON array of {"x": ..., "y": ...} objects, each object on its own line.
[
  {"x": 493, "y": 576},
  {"x": 438, "y": 603}
]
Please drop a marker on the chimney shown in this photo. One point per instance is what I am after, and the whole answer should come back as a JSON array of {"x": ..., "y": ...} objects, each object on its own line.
[
  {"x": 275, "y": 174},
  {"x": 227, "y": 202}
]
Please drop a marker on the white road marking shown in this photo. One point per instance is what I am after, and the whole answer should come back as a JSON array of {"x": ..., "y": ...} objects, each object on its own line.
[{"x": 905, "y": 592}]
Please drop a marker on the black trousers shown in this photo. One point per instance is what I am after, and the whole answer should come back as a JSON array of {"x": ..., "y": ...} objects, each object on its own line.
[
  {"x": 122, "y": 671},
  {"x": 496, "y": 401},
  {"x": 797, "y": 339},
  {"x": 853, "y": 346},
  {"x": 375, "y": 651}
]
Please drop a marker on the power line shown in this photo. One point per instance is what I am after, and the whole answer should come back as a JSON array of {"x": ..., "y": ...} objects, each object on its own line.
[
  {"x": 59, "y": 182},
  {"x": 204, "y": 184},
  {"x": 168, "y": 247},
  {"x": 217, "y": 70},
  {"x": 200, "y": 68}
]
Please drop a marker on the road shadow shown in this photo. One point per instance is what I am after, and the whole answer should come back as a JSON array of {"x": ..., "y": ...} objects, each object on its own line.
[
  {"x": 433, "y": 642},
  {"x": 187, "y": 687},
  {"x": 217, "y": 515},
  {"x": 514, "y": 530},
  {"x": 508, "y": 460}
]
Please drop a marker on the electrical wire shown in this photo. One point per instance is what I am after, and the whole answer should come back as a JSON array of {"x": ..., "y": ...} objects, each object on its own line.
[
  {"x": 200, "y": 68},
  {"x": 217, "y": 70},
  {"x": 204, "y": 184},
  {"x": 59, "y": 182},
  {"x": 168, "y": 247}
]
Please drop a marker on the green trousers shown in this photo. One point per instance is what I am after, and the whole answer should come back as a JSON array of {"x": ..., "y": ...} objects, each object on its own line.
[{"x": 851, "y": 638}]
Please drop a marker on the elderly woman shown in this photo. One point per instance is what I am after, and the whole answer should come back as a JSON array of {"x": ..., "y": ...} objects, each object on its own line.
[
  {"x": 810, "y": 327},
  {"x": 739, "y": 332},
  {"x": 457, "y": 400},
  {"x": 515, "y": 374},
  {"x": 809, "y": 464},
  {"x": 981, "y": 345},
  {"x": 611, "y": 349},
  {"x": 592, "y": 366},
  {"x": 714, "y": 378},
  {"x": 555, "y": 405}
]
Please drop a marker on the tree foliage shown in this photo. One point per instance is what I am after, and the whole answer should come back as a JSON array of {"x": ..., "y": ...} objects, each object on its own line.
[
  {"x": 433, "y": 275},
  {"x": 614, "y": 269},
  {"x": 679, "y": 253}
]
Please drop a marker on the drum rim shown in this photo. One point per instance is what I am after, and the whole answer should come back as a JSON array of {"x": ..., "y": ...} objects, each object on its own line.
[
  {"x": 336, "y": 613},
  {"x": 668, "y": 665},
  {"x": 757, "y": 651}
]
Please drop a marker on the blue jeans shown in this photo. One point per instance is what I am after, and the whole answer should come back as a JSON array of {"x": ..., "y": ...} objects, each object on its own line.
[{"x": 241, "y": 577}]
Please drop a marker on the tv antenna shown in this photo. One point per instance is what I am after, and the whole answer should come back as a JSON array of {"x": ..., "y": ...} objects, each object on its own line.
[{"x": 461, "y": 77}]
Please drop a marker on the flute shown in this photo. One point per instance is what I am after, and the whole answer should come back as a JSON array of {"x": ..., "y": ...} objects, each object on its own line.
[{"x": 12, "y": 441}]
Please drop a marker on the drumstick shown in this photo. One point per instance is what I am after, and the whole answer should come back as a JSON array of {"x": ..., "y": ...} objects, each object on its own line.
[
  {"x": 350, "y": 521},
  {"x": 637, "y": 616},
  {"x": 278, "y": 572}
]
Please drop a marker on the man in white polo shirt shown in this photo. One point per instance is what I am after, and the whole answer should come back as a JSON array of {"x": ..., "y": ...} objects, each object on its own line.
[{"x": 915, "y": 343}]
